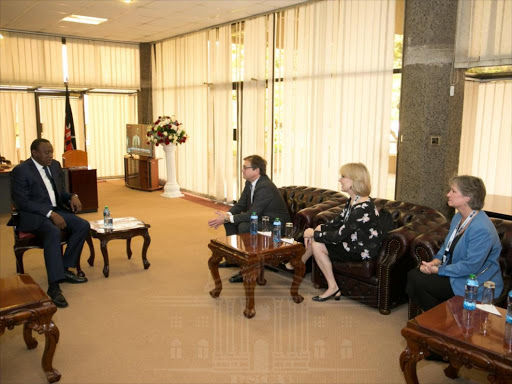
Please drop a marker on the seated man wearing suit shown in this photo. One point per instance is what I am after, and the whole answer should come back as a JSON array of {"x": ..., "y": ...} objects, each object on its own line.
[
  {"x": 260, "y": 195},
  {"x": 39, "y": 195}
]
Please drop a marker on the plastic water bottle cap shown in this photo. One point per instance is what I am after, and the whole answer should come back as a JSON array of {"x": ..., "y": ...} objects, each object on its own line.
[{"x": 472, "y": 276}]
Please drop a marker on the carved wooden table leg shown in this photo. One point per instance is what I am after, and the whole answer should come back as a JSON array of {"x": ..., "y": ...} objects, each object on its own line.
[
  {"x": 147, "y": 241},
  {"x": 261, "y": 276},
  {"x": 129, "y": 248},
  {"x": 451, "y": 371},
  {"x": 90, "y": 260},
  {"x": 27, "y": 336},
  {"x": 213, "y": 264},
  {"x": 409, "y": 358},
  {"x": 299, "y": 269},
  {"x": 249, "y": 285},
  {"x": 51, "y": 334},
  {"x": 104, "y": 252}
]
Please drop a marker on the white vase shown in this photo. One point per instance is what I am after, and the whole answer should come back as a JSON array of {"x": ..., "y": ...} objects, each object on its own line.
[{"x": 171, "y": 188}]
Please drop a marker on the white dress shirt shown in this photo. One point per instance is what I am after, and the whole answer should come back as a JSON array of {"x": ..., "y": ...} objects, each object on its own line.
[
  {"x": 47, "y": 183},
  {"x": 253, "y": 187}
]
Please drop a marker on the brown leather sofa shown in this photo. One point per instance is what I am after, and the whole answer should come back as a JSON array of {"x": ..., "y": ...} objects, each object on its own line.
[
  {"x": 426, "y": 246},
  {"x": 379, "y": 283}
]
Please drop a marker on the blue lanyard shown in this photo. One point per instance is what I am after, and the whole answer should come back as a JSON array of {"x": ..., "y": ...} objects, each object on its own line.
[{"x": 457, "y": 231}]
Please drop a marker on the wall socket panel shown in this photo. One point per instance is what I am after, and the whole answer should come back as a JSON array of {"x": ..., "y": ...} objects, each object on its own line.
[{"x": 435, "y": 140}]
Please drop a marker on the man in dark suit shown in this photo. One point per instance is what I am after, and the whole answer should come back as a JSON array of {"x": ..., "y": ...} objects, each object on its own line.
[
  {"x": 39, "y": 195},
  {"x": 260, "y": 195}
]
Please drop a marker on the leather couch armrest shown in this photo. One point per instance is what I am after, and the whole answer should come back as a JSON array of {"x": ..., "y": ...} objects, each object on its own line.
[
  {"x": 306, "y": 218},
  {"x": 394, "y": 260},
  {"x": 425, "y": 246}
]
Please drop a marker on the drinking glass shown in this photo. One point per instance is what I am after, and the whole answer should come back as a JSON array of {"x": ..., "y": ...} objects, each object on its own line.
[
  {"x": 265, "y": 224},
  {"x": 488, "y": 294},
  {"x": 288, "y": 233},
  {"x": 487, "y": 298}
]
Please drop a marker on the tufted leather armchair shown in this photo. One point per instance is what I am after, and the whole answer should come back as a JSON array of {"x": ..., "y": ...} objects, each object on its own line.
[
  {"x": 426, "y": 246},
  {"x": 381, "y": 282}
]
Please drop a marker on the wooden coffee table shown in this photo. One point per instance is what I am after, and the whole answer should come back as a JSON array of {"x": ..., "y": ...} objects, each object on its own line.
[
  {"x": 251, "y": 253},
  {"x": 22, "y": 301},
  {"x": 124, "y": 228},
  {"x": 442, "y": 330}
]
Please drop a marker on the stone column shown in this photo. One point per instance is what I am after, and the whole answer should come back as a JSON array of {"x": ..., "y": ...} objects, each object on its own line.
[
  {"x": 426, "y": 107},
  {"x": 144, "y": 97}
]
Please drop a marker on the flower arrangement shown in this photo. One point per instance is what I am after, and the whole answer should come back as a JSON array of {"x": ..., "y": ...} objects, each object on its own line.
[{"x": 166, "y": 130}]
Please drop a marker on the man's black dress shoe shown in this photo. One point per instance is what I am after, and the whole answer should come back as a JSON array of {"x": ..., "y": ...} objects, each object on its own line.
[
  {"x": 225, "y": 264},
  {"x": 238, "y": 278},
  {"x": 322, "y": 299},
  {"x": 73, "y": 279},
  {"x": 56, "y": 295}
]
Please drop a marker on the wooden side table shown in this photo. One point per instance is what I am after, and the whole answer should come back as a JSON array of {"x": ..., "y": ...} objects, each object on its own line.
[
  {"x": 125, "y": 228},
  {"x": 22, "y": 301},
  {"x": 454, "y": 333},
  {"x": 251, "y": 253}
]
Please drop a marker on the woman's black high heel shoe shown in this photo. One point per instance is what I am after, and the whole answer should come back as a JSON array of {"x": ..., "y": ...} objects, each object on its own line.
[{"x": 322, "y": 299}]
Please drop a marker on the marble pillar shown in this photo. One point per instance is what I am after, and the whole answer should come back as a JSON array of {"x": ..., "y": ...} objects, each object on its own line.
[
  {"x": 426, "y": 107},
  {"x": 144, "y": 96}
]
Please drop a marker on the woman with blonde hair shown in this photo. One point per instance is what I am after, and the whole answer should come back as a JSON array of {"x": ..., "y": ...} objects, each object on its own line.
[{"x": 354, "y": 235}]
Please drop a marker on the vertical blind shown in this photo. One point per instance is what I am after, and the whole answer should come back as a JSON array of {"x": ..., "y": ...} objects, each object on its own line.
[
  {"x": 180, "y": 88},
  {"x": 256, "y": 107},
  {"x": 222, "y": 164},
  {"x": 52, "y": 116},
  {"x": 107, "y": 116},
  {"x": 100, "y": 64},
  {"x": 484, "y": 33},
  {"x": 486, "y": 137},
  {"x": 17, "y": 113},
  {"x": 337, "y": 68},
  {"x": 27, "y": 59}
]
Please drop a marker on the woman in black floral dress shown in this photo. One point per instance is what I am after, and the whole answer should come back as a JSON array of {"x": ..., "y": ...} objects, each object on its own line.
[{"x": 354, "y": 235}]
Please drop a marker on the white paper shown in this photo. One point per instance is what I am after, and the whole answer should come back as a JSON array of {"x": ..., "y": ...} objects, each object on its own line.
[
  {"x": 489, "y": 308},
  {"x": 265, "y": 233}
]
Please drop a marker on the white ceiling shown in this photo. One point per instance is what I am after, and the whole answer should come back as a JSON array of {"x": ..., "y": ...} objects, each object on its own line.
[{"x": 137, "y": 21}]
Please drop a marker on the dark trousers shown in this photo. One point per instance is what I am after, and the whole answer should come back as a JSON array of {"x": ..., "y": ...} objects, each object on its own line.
[
  {"x": 55, "y": 262},
  {"x": 235, "y": 229},
  {"x": 428, "y": 290}
]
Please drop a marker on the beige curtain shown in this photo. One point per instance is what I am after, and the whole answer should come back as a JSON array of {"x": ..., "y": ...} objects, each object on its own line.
[
  {"x": 52, "y": 111},
  {"x": 180, "y": 88},
  {"x": 17, "y": 115},
  {"x": 486, "y": 138},
  {"x": 100, "y": 64},
  {"x": 334, "y": 104},
  {"x": 484, "y": 33},
  {"x": 256, "y": 129},
  {"x": 222, "y": 148},
  {"x": 27, "y": 59},
  {"x": 106, "y": 119}
]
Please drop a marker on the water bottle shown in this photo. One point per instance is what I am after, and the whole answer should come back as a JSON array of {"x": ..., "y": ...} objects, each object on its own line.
[
  {"x": 467, "y": 322},
  {"x": 509, "y": 308},
  {"x": 254, "y": 224},
  {"x": 277, "y": 230},
  {"x": 470, "y": 293},
  {"x": 107, "y": 219},
  {"x": 507, "y": 340}
]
